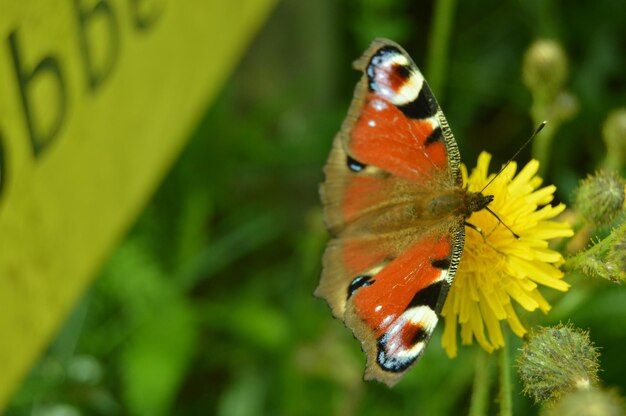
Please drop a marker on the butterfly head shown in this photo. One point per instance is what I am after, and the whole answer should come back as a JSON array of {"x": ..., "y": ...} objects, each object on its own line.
[{"x": 476, "y": 201}]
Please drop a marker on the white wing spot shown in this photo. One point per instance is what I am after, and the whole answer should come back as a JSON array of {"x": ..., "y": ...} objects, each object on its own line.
[
  {"x": 387, "y": 93},
  {"x": 371, "y": 123},
  {"x": 378, "y": 105},
  {"x": 387, "y": 320}
]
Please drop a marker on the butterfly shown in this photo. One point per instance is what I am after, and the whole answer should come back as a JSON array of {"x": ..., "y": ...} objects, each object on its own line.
[{"x": 396, "y": 209}]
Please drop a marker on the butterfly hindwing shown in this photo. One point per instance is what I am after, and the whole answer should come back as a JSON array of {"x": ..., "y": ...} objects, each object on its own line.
[
  {"x": 389, "y": 265},
  {"x": 389, "y": 289},
  {"x": 395, "y": 314}
]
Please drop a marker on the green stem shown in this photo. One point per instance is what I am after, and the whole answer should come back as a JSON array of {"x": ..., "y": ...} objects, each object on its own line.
[
  {"x": 482, "y": 384},
  {"x": 593, "y": 261},
  {"x": 613, "y": 160},
  {"x": 504, "y": 362},
  {"x": 577, "y": 262},
  {"x": 542, "y": 144},
  {"x": 438, "y": 44}
]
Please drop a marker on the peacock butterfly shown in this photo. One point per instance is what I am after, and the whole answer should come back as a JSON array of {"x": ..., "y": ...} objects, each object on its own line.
[{"x": 395, "y": 207}]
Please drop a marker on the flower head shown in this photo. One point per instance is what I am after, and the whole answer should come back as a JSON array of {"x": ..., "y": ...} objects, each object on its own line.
[
  {"x": 556, "y": 360},
  {"x": 501, "y": 268},
  {"x": 545, "y": 67}
]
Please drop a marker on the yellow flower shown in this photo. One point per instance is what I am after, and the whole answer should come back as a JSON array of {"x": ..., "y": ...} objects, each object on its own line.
[{"x": 494, "y": 272}]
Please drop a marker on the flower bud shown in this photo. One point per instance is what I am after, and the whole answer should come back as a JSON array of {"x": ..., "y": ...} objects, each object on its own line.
[
  {"x": 545, "y": 67},
  {"x": 557, "y": 360},
  {"x": 600, "y": 198}
]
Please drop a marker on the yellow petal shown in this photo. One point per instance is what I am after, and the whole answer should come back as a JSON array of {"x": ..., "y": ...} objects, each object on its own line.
[
  {"x": 493, "y": 304},
  {"x": 448, "y": 340},
  {"x": 524, "y": 176},
  {"x": 514, "y": 322},
  {"x": 543, "y": 304},
  {"x": 541, "y": 273},
  {"x": 521, "y": 296},
  {"x": 493, "y": 324},
  {"x": 542, "y": 196}
]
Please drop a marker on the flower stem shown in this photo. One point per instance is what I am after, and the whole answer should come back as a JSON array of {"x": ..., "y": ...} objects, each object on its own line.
[
  {"x": 596, "y": 260},
  {"x": 438, "y": 43},
  {"x": 504, "y": 362},
  {"x": 542, "y": 146},
  {"x": 482, "y": 382}
]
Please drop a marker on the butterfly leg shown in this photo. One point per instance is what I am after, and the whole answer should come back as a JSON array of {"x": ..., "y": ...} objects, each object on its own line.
[
  {"x": 478, "y": 229},
  {"x": 482, "y": 234}
]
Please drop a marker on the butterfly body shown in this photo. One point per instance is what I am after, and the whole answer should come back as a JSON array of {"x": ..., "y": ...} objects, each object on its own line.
[{"x": 395, "y": 207}]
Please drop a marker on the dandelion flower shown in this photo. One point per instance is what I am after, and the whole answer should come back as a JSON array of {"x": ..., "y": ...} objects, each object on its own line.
[{"x": 501, "y": 268}]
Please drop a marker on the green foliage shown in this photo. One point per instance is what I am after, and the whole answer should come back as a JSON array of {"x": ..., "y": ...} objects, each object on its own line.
[{"x": 206, "y": 307}]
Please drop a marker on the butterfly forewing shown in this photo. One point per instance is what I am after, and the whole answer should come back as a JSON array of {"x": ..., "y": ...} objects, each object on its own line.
[{"x": 393, "y": 254}]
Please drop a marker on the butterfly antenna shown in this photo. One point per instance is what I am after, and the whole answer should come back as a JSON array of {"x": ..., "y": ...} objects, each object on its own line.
[
  {"x": 517, "y": 237},
  {"x": 532, "y": 136}
]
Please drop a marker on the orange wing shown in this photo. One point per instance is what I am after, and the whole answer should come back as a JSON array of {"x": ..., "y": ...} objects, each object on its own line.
[{"x": 389, "y": 266}]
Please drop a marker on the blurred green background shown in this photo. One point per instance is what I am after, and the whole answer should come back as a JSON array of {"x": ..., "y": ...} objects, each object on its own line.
[{"x": 206, "y": 306}]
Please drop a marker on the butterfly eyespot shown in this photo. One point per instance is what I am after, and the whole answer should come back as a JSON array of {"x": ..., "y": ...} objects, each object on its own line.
[
  {"x": 387, "y": 71},
  {"x": 402, "y": 71},
  {"x": 381, "y": 58},
  {"x": 405, "y": 339},
  {"x": 391, "y": 362},
  {"x": 359, "y": 282},
  {"x": 419, "y": 336},
  {"x": 354, "y": 165}
]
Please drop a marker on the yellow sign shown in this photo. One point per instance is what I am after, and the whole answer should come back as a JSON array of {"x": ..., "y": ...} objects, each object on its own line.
[{"x": 96, "y": 99}]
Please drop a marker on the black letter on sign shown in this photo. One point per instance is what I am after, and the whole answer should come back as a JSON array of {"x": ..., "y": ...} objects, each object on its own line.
[
  {"x": 144, "y": 14},
  {"x": 99, "y": 56},
  {"x": 39, "y": 137}
]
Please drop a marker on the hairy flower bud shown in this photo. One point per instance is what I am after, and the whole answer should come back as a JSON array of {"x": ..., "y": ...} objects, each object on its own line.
[
  {"x": 600, "y": 198},
  {"x": 545, "y": 67},
  {"x": 557, "y": 360}
]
